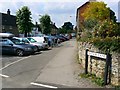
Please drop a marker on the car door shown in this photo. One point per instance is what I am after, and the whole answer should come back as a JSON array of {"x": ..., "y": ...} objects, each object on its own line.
[
  {"x": 25, "y": 41},
  {"x": 7, "y": 47}
]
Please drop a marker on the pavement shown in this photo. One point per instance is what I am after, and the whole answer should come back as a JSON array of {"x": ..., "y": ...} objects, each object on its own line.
[{"x": 63, "y": 69}]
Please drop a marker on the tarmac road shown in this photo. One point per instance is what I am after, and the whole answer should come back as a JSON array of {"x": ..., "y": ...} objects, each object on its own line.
[{"x": 54, "y": 68}]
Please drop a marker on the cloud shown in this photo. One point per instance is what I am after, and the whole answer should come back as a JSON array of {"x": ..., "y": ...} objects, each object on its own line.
[{"x": 59, "y": 10}]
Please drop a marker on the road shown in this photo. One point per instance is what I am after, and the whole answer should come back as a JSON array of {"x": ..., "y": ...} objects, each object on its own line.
[{"x": 19, "y": 72}]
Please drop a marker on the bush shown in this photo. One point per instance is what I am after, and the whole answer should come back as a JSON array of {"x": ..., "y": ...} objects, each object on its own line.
[
  {"x": 109, "y": 43},
  {"x": 106, "y": 29}
]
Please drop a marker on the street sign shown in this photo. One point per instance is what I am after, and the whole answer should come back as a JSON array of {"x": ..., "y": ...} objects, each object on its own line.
[{"x": 97, "y": 55}]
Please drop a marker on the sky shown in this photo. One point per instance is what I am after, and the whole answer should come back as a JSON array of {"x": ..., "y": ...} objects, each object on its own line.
[{"x": 60, "y": 11}]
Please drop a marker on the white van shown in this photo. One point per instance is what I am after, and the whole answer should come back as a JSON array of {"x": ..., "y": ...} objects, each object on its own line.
[{"x": 41, "y": 39}]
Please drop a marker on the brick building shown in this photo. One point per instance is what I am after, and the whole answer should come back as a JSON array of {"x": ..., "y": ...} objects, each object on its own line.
[
  {"x": 79, "y": 17},
  {"x": 8, "y": 23}
]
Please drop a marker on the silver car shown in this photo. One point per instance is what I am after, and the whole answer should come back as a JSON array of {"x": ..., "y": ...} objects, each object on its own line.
[
  {"x": 42, "y": 40},
  {"x": 32, "y": 42}
]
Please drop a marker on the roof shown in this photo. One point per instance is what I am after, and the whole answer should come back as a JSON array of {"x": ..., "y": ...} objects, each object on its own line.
[{"x": 81, "y": 7}]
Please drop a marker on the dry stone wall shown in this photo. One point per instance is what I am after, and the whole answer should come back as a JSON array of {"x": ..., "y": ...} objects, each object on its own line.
[{"x": 97, "y": 66}]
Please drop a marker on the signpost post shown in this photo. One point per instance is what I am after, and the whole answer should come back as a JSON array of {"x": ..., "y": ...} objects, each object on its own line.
[{"x": 101, "y": 56}]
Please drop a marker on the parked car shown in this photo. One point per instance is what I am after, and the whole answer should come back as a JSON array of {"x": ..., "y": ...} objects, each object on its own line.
[
  {"x": 16, "y": 47},
  {"x": 43, "y": 45},
  {"x": 41, "y": 39},
  {"x": 6, "y": 35},
  {"x": 32, "y": 42},
  {"x": 73, "y": 34}
]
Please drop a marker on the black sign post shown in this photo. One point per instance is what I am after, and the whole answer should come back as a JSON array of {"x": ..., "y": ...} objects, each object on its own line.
[
  {"x": 107, "y": 67},
  {"x": 102, "y": 56},
  {"x": 86, "y": 61}
]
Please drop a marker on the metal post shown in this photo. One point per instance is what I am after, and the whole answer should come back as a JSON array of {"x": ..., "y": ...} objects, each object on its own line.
[
  {"x": 110, "y": 64},
  {"x": 86, "y": 61},
  {"x": 106, "y": 68}
]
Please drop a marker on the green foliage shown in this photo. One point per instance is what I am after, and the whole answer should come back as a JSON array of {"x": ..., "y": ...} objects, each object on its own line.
[
  {"x": 106, "y": 29},
  {"x": 111, "y": 43},
  {"x": 62, "y": 30},
  {"x": 96, "y": 10},
  {"x": 45, "y": 23},
  {"x": 100, "y": 27},
  {"x": 23, "y": 20},
  {"x": 66, "y": 28},
  {"x": 117, "y": 87},
  {"x": 89, "y": 24},
  {"x": 97, "y": 80},
  {"x": 99, "y": 11}
]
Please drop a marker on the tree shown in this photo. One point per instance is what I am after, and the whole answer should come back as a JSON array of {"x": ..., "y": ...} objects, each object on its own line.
[
  {"x": 97, "y": 10},
  {"x": 62, "y": 30},
  {"x": 68, "y": 27},
  {"x": 23, "y": 20},
  {"x": 89, "y": 24},
  {"x": 100, "y": 19},
  {"x": 45, "y": 23},
  {"x": 106, "y": 29}
]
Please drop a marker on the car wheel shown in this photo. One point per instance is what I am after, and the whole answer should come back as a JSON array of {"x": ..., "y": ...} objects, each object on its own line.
[
  {"x": 37, "y": 48},
  {"x": 20, "y": 52}
]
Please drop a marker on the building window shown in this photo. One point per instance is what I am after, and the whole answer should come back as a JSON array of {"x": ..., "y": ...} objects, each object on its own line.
[{"x": 10, "y": 27}]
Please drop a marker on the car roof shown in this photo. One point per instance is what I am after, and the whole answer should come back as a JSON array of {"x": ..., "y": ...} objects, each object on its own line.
[{"x": 6, "y": 35}]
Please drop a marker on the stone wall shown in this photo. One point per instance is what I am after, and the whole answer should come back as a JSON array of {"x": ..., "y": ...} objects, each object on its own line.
[{"x": 97, "y": 66}]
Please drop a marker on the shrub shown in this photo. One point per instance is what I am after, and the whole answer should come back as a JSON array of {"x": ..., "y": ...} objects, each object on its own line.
[{"x": 108, "y": 43}]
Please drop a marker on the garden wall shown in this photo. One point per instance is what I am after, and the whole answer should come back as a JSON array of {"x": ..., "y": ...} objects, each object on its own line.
[{"x": 96, "y": 66}]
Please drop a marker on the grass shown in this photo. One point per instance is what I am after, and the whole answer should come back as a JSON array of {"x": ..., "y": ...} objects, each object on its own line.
[
  {"x": 117, "y": 87},
  {"x": 97, "y": 80}
]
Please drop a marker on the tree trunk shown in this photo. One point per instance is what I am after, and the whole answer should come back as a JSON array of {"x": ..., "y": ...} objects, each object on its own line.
[{"x": 25, "y": 33}]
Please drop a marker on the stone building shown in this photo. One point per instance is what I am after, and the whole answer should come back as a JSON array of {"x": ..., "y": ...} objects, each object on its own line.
[{"x": 8, "y": 23}]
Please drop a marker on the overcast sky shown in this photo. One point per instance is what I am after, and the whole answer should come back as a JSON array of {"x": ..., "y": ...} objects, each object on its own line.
[{"x": 60, "y": 11}]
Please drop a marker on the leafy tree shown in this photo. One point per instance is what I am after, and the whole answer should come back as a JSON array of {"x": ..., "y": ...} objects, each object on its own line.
[
  {"x": 106, "y": 29},
  {"x": 97, "y": 10},
  {"x": 89, "y": 24},
  {"x": 23, "y": 20},
  {"x": 45, "y": 24},
  {"x": 68, "y": 27},
  {"x": 62, "y": 30}
]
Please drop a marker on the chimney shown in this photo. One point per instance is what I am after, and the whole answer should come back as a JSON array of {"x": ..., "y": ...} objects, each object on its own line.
[{"x": 8, "y": 12}]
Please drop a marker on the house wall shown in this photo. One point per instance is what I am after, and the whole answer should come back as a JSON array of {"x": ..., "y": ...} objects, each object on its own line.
[
  {"x": 97, "y": 66},
  {"x": 80, "y": 18},
  {"x": 11, "y": 29},
  {"x": 8, "y": 24}
]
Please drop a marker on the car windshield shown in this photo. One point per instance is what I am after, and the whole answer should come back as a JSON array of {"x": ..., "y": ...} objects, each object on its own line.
[
  {"x": 17, "y": 41},
  {"x": 32, "y": 40}
]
